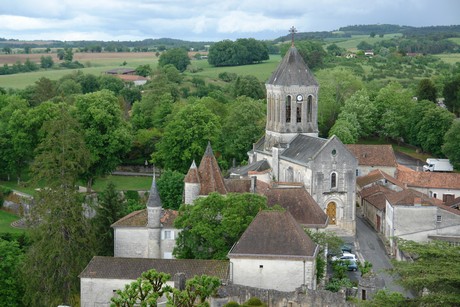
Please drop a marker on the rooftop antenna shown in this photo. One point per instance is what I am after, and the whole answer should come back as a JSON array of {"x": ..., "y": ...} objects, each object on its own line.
[{"x": 292, "y": 30}]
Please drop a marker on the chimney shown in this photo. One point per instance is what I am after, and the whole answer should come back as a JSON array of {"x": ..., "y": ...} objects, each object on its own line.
[{"x": 252, "y": 189}]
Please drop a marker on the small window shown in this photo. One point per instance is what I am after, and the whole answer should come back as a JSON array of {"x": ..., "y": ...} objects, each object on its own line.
[
  {"x": 168, "y": 235},
  {"x": 334, "y": 152},
  {"x": 439, "y": 218},
  {"x": 261, "y": 266},
  {"x": 357, "y": 172},
  {"x": 333, "y": 180},
  {"x": 435, "y": 195}
]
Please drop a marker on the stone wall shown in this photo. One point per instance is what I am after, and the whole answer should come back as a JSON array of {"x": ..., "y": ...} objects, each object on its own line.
[{"x": 273, "y": 298}]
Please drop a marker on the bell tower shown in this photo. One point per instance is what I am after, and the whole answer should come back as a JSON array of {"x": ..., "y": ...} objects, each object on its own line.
[{"x": 292, "y": 100}]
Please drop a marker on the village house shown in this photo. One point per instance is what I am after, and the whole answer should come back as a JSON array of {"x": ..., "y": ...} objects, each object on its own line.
[{"x": 372, "y": 157}]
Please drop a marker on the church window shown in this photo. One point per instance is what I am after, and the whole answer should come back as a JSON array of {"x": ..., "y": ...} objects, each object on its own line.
[
  {"x": 334, "y": 152},
  {"x": 309, "y": 108},
  {"x": 289, "y": 174},
  {"x": 288, "y": 109},
  {"x": 333, "y": 180},
  {"x": 299, "y": 112}
]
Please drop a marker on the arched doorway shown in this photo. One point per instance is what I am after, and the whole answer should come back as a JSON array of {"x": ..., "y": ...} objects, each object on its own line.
[{"x": 331, "y": 212}]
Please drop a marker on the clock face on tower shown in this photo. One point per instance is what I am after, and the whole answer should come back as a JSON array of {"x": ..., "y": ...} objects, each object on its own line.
[{"x": 299, "y": 97}]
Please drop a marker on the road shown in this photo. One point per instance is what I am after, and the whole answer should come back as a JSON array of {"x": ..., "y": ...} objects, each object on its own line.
[{"x": 371, "y": 248}]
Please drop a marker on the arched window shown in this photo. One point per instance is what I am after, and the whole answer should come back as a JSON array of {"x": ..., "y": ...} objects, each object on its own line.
[
  {"x": 289, "y": 174},
  {"x": 299, "y": 112},
  {"x": 333, "y": 180},
  {"x": 309, "y": 108},
  {"x": 288, "y": 109}
]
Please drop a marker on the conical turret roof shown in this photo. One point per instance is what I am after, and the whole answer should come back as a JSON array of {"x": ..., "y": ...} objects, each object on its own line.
[
  {"x": 210, "y": 175},
  {"x": 292, "y": 71},
  {"x": 154, "y": 197}
]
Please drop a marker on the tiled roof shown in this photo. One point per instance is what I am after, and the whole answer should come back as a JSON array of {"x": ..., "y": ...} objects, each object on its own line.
[
  {"x": 132, "y": 268},
  {"x": 244, "y": 185},
  {"x": 303, "y": 147},
  {"x": 210, "y": 175},
  {"x": 373, "y": 155},
  {"x": 139, "y": 219},
  {"x": 274, "y": 234},
  {"x": 192, "y": 174},
  {"x": 376, "y": 195},
  {"x": 375, "y": 176},
  {"x": 132, "y": 77},
  {"x": 292, "y": 71},
  {"x": 428, "y": 179},
  {"x": 409, "y": 197},
  {"x": 299, "y": 203}
]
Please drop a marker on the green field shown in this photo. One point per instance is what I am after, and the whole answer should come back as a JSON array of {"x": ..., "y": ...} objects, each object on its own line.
[
  {"x": 6, "y": 219},
  {"x": 96, "y": 67},
  {"x": 449, "y": 58}
]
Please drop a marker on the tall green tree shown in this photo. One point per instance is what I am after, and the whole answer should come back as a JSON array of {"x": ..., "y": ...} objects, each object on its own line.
[
  {"x": 451, "y": 146},
  {"x": 433, "y": 125},
  {"x": 243, "y": 126},
  {"x": 211, "y": 235},
  {"x": 186, "y": 136},
  {"x": 62, "y": 239},
  {"x": 11, "y": 289},
  {"x": 451, "y": 94},
  {"x": 106, "y": 133},
  {"x": 248, "y": 86},
  {"x": 171, "y": 187},
  {"x": 364, "y": 110},
  {"x": 434, "y": 273},
  {"x": 46, "y": 62},
  {"x": 426, "y": 90},
  {"x": 109, "y": 209},
  {"x": 177, "y": 57}
]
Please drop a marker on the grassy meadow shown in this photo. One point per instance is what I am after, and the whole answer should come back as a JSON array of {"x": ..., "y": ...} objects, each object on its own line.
[
  {"x": 353, "y": 41},
  {"x": 6, "y": 219}
]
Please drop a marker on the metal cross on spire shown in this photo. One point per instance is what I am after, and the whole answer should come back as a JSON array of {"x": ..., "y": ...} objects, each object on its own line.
[{"x": 292, "y": 30}]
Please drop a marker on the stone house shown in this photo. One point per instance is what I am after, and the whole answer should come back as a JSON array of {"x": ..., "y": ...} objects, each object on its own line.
[
  {"x": 444, "y": 186},
  {"x": 372, "y": 157},
  {"x": 373, "y": 203},
  {"x": 147, "y": 233},
  {"x": 280, "y": 257}
]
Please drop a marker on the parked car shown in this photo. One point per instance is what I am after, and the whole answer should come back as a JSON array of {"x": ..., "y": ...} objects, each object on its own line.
[
  {"x": 346, "y": 248},
  {"x": 344, "y": 256},
  {"x": 350, "y": 264}
]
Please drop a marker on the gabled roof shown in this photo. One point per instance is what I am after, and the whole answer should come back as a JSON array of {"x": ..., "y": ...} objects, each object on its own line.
[
  {"x": 274, "y": 234},
  {"x": 376, "y": 195},
  {"x": 375, "y": 176},
  {"x": 409, "y": 197},
  {"x": 258, "y": 166},
  {"x": 132, "y": 268},
  {"x": 303, "y": 148},
  {"x": 139, "y": 219},
  {"x": 298, "y": 202},
  {"x": 428, "y": 179},
  {"x": 292, "y": 71},
  {"x": 211, "y": 178},
  {"x": 154, "y": 197},
  {"x": 373, "y": 155}
]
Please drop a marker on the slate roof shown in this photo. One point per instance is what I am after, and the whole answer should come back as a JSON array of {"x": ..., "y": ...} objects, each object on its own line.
[
  {"x": 283, "y": 238},
  {"x": 292, "y": 71},
  {"x": 258, "y": 166},
  {"x": 132, "y": 268},
  {"x": 139, "y": 219},
  {"x": 211, "y": 178},
  {"x": 303, "y": 147},
  {"x": 373, "y": 155},
  {"x": 375, "y": 176},
  {"x": 299, "y": 203},
  {"x": 428, "y": 179},
  {"x": 154, "y": 197}
]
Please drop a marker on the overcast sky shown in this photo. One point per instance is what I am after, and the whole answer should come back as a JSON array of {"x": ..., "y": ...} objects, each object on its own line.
[{"x": 206, "y": 20}]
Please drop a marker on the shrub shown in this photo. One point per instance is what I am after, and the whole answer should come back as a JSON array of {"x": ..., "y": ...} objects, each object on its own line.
[
  {"x": 134, "y": 195},
  {"x": 254, "y": 301},
  {"x": 232, "y": 304}
]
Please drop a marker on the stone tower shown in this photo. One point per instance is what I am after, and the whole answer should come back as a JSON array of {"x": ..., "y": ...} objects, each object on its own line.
[
  {"x": 292, "y": 101},
  {"x": 192, "y": 185},
  {"x": 154, "y": 209}
]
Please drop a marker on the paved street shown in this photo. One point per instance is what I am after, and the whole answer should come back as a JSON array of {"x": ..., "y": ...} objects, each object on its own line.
[{"x": 369, "y": 246}]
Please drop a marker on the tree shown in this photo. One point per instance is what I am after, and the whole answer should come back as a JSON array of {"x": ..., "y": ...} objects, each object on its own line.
[
  {"x": 196, "y": 292},
  {"x": 451, "y": 146},
  {"x": 335, "y": 50},
  {"x": 143, "y": 70},
  {"x": 89, "y": 83},
  {"x": 60, "y": 54},
  {"x": 106, "y": 133},
  {"x": 451, "y": 94},
  {"x": 383, "y": 298},
  {"x": 242, "y": 127},
  {"x": 364, "y": 110},
  {"x": 109, "y": 209},
  {"x": 62, "y": 239},
  {"x": 433, "y": 125},
  {"x": 171, "y": 187},
  {"x": 111, "y": 83},
  {"x": 426, "y": 90},
  {"x": 151, "y": 111},
  {"x": 11, "y": 257},
  {"x": 44, "y": 89},
  {"x": 346, "y": 129},
  {"x": 312, "y": 52},
  {"x": 177, "y": 57},
  {"x": 363, "y": 45},
  {"x": 186, "y": 136},
  {"x": 248, "y": 86},
  {"x": 7, "y": 50},
  {"x": 433, "y": 272},
  {"x": 211, "y": 235},
  {"x": 46, "y": 62},
  {"x": 68, "y": 54}
]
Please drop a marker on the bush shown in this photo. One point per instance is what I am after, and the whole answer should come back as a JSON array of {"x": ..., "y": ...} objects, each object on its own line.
[
  {"x": 4, "y": 191},
  {"x": 254, "y": 301},
  {"x": 232, "y": 304},
  {"x": 133, "y": 195}
]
